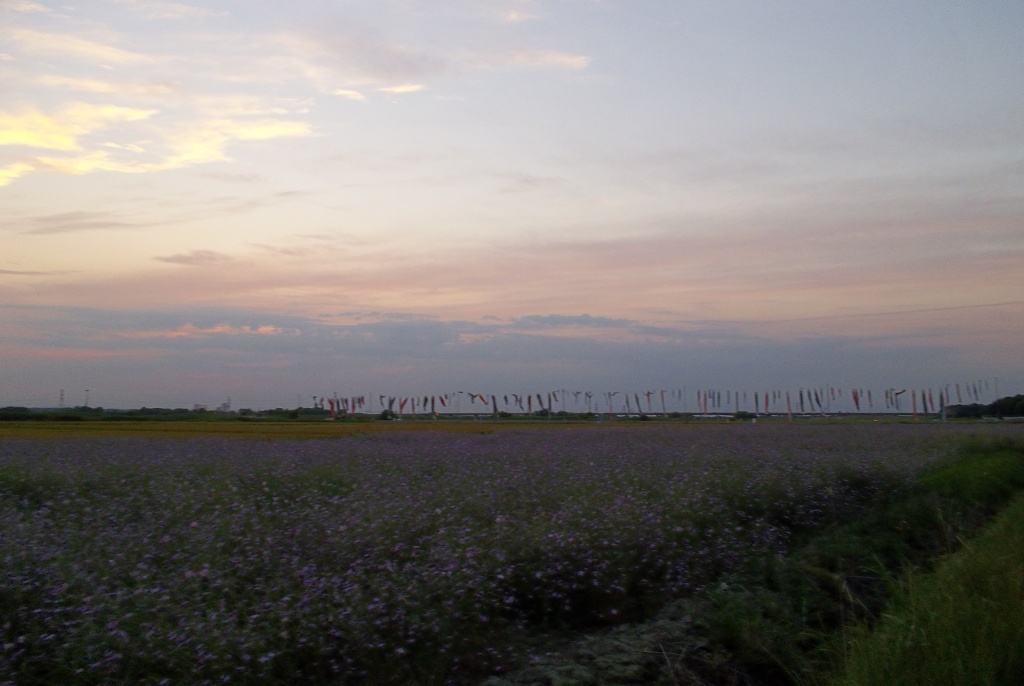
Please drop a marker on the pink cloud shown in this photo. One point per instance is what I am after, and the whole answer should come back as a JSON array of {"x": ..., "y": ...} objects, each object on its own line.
[
  {"x": 192, "y": 331},
  {"x": 800, "y": 278}
]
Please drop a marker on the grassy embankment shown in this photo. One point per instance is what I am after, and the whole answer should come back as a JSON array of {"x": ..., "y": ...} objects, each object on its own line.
[
  {"x": 903, "y": 595},
  {"x": 963, "y": 624}
]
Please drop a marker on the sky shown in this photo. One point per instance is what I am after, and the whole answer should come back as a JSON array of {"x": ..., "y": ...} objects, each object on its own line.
[{"x": 269, "y": 201}]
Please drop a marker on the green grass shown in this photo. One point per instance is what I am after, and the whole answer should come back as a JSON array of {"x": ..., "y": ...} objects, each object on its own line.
[
  {"x": 794, "y": 620},
  {"x": 962, "y": 624},
  {"x": 961, "y": 621},
  {"x": 987, "y": 476}
]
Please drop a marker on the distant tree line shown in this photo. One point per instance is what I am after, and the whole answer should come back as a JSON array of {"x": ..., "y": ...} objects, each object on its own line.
[
  {"x": 1010, "y": 406},
  {"x": 81, "y": 413}
]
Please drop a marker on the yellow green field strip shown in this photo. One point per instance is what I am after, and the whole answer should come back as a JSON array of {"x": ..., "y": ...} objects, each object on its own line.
[{"x": 261, "y": 429}]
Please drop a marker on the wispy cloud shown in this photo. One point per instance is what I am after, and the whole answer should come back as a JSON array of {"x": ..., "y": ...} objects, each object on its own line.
[
  {"x": 63, "y": 129},
  {"x": 196, "y": 258},
  {"x": 403, "y": 88},
  {"x": 74, "y": 46},
  {"x": 120, "y": 87},
  {"x": 655, "y": 278},
  {"x": 350, "y": 94},
  {"x": 207, "y": 141},
  {"x": 346, "y": 56},
  {"x": 173, "y": 95},
  {"x": 516, "y": 16},
  {"x": 13, "y": 171},
  {"x": 478, "y": 59},
  {"x": 232, "y": 177},
  {"x": 16, "y": 272},
  {"x": 23, "y": 6},
  {"x": 549, "y": 59},
  {"x": 184, "y": 144},
  {"x": 71, "y": 222},
  {"x": 193, "y": 331},
  {"x": 159, "y": 9},
  {"x": 246, "y": 105},
  {"x": 563, "y": 321}
]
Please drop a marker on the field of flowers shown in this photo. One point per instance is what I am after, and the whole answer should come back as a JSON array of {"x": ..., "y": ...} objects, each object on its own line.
[{"x": 394, "y": 557}]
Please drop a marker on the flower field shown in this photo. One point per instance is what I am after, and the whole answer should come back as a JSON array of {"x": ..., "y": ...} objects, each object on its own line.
[{"x": 395, "y": 557}]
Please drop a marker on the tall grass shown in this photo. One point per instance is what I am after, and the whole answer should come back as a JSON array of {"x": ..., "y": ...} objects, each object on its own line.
[
  {"x": 963, "y": 623},
  {"x": 961, "y": 626},
  {"x": 791, "y": 619}
]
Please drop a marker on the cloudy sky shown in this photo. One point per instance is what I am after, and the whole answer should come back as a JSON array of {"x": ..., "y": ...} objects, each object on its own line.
[{"x": 269, "y": 201}]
